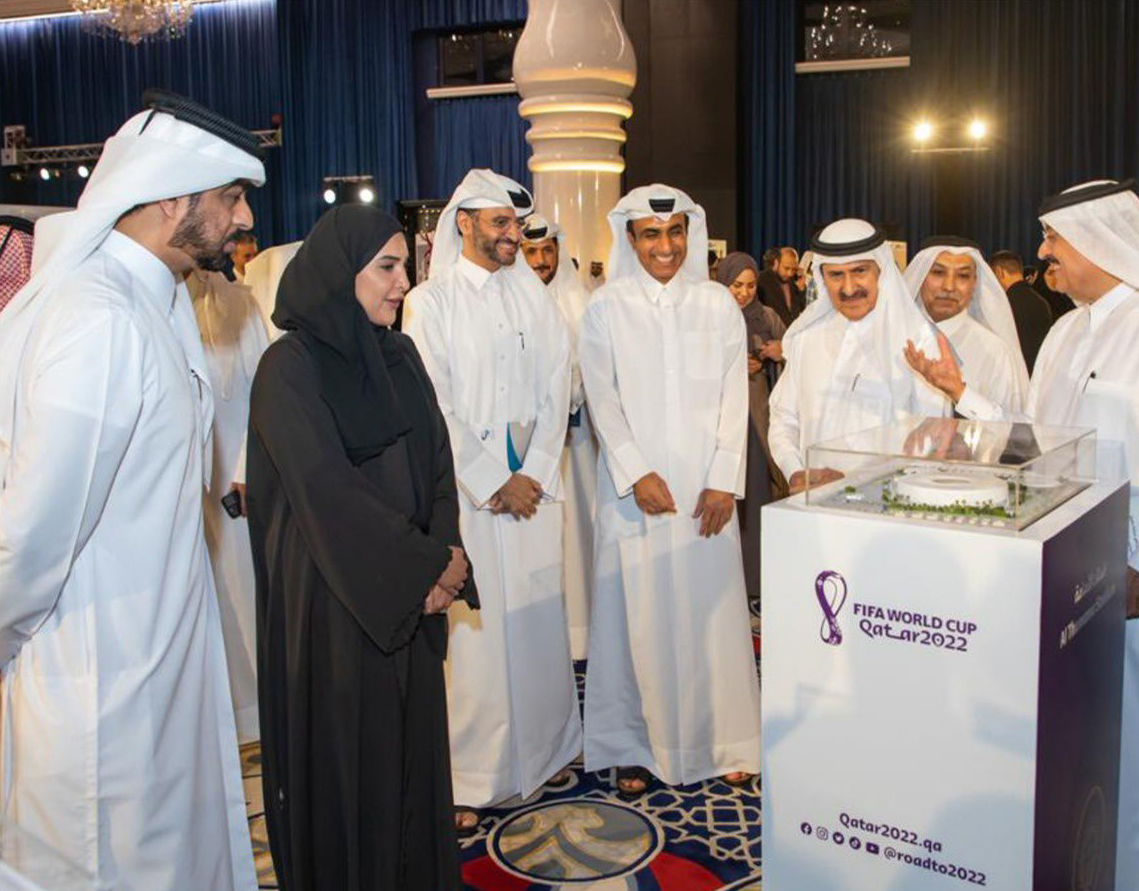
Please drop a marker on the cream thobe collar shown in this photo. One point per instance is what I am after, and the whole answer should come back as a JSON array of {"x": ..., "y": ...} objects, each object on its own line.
[
  {"x": 472, "y": 272},
  {"x": 953, "y": 325},
  {"x": 155, "y": 276},
  {"x": 667, "y": 294},
  {"x": 1107, "y": 304}
]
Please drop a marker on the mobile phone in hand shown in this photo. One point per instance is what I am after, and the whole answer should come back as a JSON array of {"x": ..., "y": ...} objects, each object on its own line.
[{"x": 232, "y": 504}]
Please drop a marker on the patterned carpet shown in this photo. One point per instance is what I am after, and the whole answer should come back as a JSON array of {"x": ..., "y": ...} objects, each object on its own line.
[{"x": 702, "y": 837}]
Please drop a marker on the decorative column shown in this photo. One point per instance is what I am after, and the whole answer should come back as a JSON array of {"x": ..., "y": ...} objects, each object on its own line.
[{"x": 575, "y": 68}]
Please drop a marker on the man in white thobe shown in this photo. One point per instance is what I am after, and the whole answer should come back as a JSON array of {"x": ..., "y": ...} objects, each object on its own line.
[
  {"x": 1087, "y": 375},
  {"x": 962, "y": 296},
  {"x": 844, "y": 371},
  {"x": 543, "y": 246},
  {"x": 119, "y": 744},
  {"x": 263, "y": 275},
  {"x": 233, "y": 337},
  {"x": 497, "y": 351},
  {"x": 672, "y": 685}
]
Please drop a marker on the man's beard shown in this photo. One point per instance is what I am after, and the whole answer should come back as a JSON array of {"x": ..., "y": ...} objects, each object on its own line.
[
  {"x": 190, "y": 236},
  {"x": 488, "y": 247}
]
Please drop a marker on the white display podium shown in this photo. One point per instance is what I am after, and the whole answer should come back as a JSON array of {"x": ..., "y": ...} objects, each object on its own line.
[{"x": 941, "y": 696}]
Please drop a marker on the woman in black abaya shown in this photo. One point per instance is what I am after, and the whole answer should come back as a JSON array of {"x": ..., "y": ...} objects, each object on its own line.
[
  {"x": 354, "y": 521},
  {"x": 739, "y": 273}
]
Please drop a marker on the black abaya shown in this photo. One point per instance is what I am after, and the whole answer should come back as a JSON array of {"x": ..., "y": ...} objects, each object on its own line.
[
  {"x": 352, "y": 509},
  {"x": 353, "y": 708}
]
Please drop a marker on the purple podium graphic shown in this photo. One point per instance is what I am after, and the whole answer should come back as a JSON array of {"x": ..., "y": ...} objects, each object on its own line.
[
  {"x": 944, "y": 711},
  {"x": 830, "y": 602}
]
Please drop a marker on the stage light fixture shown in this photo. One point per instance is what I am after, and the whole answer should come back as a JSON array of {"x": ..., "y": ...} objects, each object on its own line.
[
  {"x": 978, "y": 129},
  {"x": 353, "y": 188},
  {"x": 923, "y": 131},
  {"x": 83, "y": 171},
  {"x": 45, "y": 174}
]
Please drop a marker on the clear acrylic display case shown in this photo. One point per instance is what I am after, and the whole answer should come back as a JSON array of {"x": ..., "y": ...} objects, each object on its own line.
[{"x": 997, "y": 475}]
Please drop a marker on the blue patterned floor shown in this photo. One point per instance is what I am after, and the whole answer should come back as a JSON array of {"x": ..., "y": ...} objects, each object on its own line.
[{"x": 702, "y": 837}]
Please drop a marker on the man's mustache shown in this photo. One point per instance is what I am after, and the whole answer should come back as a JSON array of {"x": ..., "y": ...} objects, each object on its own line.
[{"x": 860, "y": 294}]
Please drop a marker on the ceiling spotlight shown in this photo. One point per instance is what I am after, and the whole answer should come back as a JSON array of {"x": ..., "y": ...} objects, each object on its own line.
[
  {"x": 83, "y": 171},
  {"x": 923, "y": 131},
  {"x": 329, "y": 196},
  {"x": 366, "y": 194},
  {"x": 45, "y": 174},
  {"x": 977, "y": 129}
]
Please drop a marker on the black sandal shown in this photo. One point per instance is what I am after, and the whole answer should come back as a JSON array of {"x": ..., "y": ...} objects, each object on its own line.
[
  {"x": 467, "y": 831},
  {"x": 633, "y": 774}
]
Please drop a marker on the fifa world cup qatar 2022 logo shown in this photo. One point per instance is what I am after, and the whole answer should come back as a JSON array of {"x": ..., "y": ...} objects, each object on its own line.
[{"x": 830, "y": 589}]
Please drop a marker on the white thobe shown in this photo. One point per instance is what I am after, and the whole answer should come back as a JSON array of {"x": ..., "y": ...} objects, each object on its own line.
[
  {"x": 498, "y": 353},
  {"x": 579, "y": 477},
  {"x": 672, "y": 684},
  {"x": 233, "y": 337},
  {"x": 119, "y": 744},
  {"x": 834, "y": 384},
  {"x": 263, "y": 276},
  {"x": 1087, "y": 375},
  {"x": 986, "y": 360}
]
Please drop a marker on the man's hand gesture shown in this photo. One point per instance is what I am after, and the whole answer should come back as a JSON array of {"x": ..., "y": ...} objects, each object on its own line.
[
  {"x": 941, "y": 372},
  {"x": 714, "y": 509},
  {"x": 652, "y": 495},
  {"x": 519, "y": 497}
]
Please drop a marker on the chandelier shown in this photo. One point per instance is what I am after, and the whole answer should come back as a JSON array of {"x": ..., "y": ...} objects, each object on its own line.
[
  {"x": 135, "y": 21},
  {"x": 846, "y": 32}
]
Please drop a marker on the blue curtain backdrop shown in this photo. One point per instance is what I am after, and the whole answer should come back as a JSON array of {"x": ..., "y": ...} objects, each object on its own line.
[
  {"x": 70, "y": 87},
  {"x": 348, "y": 95},
  {"x": 339, "y": 72},
  {"x": 483, "y": 131},
  {"x": 1058, "y": 82}
]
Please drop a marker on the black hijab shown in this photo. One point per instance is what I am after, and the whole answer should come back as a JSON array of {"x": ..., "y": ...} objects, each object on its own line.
[{"x": 317, "y": 299}]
